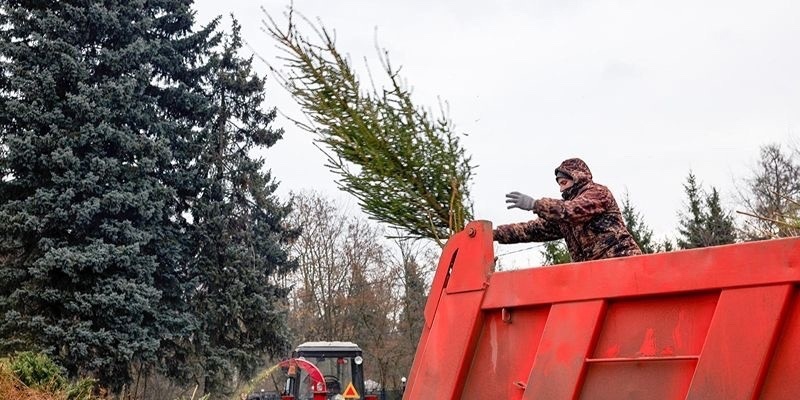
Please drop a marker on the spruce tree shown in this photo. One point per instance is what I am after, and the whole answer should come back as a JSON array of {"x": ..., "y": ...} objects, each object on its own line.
[
  {"x": 705, "y": 223},
  {"x": 412, "y": 318},
  {"x": 634, "y": 221},
  {"x": 719, "y": 223},
  {"x": 692, "y": 221},
  {"x": 238, "y": 228},
  {"x": 407, "y": 167},
  {"x": 413, "y": 300},
  {"x": 555, "y": 252},
  {"x": 99, "y": 104}
]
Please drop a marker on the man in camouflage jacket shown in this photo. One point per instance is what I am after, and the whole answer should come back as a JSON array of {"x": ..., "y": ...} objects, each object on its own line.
[{"x": 587, "y": 218}]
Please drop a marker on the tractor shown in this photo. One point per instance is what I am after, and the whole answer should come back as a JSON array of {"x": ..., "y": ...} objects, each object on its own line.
[{"x": 324, "y": 370}]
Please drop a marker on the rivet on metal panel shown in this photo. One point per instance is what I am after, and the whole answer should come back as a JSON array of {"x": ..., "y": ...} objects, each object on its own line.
[
  {"x": 506, "y": 315},
  {"x": 471, "y": 232}
]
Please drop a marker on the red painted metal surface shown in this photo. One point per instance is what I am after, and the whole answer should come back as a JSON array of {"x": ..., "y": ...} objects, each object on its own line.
[
  {"x": 714, "y": 323},
  {"x": 316, "y": 379}
]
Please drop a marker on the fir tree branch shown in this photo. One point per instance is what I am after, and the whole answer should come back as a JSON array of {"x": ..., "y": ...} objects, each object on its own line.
[{"x": 404, "y": 167}]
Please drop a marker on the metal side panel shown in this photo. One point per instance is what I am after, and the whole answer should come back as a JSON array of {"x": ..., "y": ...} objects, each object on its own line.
[
  {"x": 740, "y": 340},
  {"x": 781, "y": 382},
  {"x": 453, "y": 316},
  {"x": 505, "y": 351},
  {"x": 566, "y": 342}
]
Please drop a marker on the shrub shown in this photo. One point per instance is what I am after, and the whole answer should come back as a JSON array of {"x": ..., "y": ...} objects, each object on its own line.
[
  {"x": 12, "y": 388},
  {"x": 81, "y": 390},
  {"x": 36, "y": 370},
  {"x": 34, "y": 376}
]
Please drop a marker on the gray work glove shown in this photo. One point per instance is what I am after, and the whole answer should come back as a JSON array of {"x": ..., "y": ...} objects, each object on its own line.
[{"x": 519, "y": 200}]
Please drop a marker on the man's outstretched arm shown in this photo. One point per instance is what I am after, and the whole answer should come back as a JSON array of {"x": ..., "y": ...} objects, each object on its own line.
[{"x": 537, "y": 230}]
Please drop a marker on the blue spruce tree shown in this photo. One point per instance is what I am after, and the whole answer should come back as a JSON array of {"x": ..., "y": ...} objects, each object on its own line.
[{"x": 100, "y": 104}]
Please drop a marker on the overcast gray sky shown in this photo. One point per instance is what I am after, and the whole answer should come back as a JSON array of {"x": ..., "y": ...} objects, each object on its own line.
[{"x": 642, "y": 90}]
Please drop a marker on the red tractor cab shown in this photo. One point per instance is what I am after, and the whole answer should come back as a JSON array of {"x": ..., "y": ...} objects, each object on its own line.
[{"x": 341, "y": 367}]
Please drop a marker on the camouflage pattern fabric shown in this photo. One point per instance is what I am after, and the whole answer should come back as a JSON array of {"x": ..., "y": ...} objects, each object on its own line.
[{"x": 587, "y": 218}]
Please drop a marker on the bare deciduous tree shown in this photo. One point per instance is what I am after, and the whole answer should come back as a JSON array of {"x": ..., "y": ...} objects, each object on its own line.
[
  {"x": 322, "y": 280},
  {"x": 769, "y": 196},
  {"x": 347, "y": 287}
]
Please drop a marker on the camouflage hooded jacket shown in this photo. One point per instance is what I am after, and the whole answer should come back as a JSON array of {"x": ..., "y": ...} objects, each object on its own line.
[{"x": 587, "y": 218}]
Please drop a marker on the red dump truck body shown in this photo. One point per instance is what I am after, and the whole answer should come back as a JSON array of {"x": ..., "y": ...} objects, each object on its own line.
[{"x": 713, "y": 323}]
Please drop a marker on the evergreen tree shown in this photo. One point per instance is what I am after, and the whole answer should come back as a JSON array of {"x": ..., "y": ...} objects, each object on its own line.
[
  {"x": 555, "y": 252},
  {"x": 415, "y": 262},
  {"x": 691, "y": 222},
  {"x": 634, "y": 221},
  {"x": 407, "y": 167},
  {"x": 413, "y": 299},
  {"x": 239, "y": 229},
  {"x": 719, "y": 224},
  {"x": 705, "y": 223},
  {"x": 99, "y": 102},
  {"x": 665, "y": 246}
]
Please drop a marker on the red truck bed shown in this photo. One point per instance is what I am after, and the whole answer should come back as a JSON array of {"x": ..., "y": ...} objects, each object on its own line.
[{"x": 713, "y": 323}]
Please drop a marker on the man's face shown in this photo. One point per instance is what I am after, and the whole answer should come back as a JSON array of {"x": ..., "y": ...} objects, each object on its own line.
[{"x": 564, "y": 184}]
